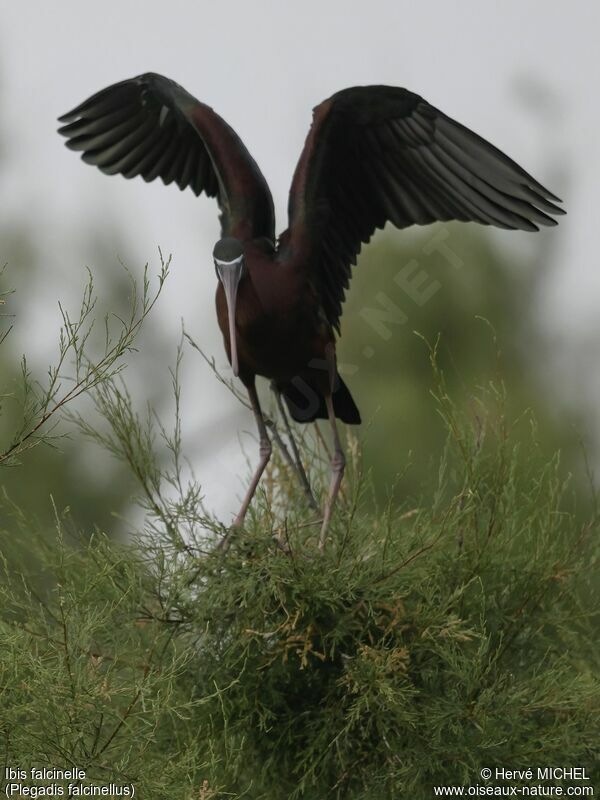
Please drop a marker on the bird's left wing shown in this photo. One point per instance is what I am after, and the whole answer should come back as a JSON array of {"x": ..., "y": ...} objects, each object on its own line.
[
  {"x": 378, "y": 153},
  {"x": 150, "y": 126}
]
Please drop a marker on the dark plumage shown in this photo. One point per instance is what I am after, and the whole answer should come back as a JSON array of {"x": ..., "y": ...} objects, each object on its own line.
[{"x": 373, "y": 154}]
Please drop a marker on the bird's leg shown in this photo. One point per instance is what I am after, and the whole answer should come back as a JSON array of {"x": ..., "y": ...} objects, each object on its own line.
[
  {"x": 297, "y": 463},
  {"x": 264, "y": 451},
  {"x": 338, "y": 462},
  {"x": 265, "y": 455}
]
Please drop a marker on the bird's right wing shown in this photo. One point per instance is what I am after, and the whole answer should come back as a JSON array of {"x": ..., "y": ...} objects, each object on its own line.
[
  {"x": 379, "y": 153},
  {"x": 150, "y": 126}
]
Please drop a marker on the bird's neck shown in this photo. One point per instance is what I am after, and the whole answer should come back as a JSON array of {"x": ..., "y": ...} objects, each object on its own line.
[{"x": 248, "y": 306}]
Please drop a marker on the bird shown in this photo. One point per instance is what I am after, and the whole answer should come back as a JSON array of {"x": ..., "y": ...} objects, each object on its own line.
[{"x": 373, "y": 154}]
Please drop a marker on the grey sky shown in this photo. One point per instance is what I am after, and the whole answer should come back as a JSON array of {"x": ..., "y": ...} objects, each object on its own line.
[{"x": 263, "y": 66}]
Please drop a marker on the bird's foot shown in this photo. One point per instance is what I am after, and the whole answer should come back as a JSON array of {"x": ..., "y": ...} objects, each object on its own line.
[{"x": 223, "y": 545}]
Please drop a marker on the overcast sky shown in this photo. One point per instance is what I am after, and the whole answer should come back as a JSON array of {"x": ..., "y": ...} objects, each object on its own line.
[{"x": 263, "y": 66}]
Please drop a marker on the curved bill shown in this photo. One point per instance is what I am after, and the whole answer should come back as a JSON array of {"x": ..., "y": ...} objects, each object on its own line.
[{"x": 229, "y": 273}]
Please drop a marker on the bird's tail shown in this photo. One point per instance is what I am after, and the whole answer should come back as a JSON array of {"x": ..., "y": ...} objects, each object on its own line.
[{"x": 307, "y": 404}]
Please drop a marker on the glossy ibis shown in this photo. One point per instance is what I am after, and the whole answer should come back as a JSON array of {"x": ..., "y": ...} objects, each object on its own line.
[{"x": 373, "y": 154}]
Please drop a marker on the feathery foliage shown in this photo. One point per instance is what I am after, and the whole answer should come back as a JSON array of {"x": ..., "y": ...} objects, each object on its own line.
[
  {"x": 77, "y": 371},
  {"x": 425, "y": 643}
]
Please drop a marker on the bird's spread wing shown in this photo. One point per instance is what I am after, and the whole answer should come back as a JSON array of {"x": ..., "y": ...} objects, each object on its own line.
[
  {"x": 150, "y": 126},
  {"x": 376, "y": 154}
]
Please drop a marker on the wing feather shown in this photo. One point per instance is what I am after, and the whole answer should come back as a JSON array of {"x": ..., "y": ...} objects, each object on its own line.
[
  {"x": 376, "y": 154},
  {"x": 150, "y": 126}
]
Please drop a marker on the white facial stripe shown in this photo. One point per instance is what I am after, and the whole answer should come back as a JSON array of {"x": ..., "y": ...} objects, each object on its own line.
[
  {"x": 237, "y": 260},
  {"x": 164, "y": 113}
]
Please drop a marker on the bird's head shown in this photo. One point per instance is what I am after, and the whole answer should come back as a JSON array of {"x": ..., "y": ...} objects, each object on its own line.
[{"x": 228, "y": 256}]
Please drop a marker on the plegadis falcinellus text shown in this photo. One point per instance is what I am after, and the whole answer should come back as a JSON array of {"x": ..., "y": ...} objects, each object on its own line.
[{"x": 373, "y": 154}]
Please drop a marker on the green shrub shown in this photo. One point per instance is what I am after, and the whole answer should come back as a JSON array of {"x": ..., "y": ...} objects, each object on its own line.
[{"x": 426, "y": 642}]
